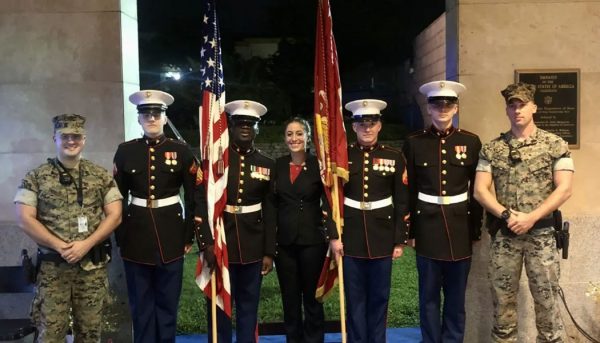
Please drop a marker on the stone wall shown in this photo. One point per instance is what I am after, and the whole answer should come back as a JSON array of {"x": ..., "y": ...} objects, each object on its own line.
[{"x": 429, "y": 59}]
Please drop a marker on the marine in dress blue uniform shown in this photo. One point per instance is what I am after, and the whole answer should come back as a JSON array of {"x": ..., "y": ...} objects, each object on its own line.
[
  {"x": 249, "y": 221},
  {"x": 444, "y": 217},
  {"x": 157, "y": 231},
  {"x": 375, "y": 207}
]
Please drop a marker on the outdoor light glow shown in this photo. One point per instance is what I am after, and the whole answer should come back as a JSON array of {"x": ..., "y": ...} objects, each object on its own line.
[{"x": 175, "y": 75}]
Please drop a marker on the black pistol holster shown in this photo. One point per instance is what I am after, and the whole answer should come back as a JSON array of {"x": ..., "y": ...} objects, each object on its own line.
[
  {"x": 102, "y": 252},
  {"x": 561, "y": 233},
  {"x": 29, "y": 270}
]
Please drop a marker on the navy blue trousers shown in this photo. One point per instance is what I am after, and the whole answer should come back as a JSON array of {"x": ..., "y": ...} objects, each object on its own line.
[
  {"x": 153, "y": 298},
  {"x": 450, "y": 277},
  {"x": 367, "y": 286},
  {"x": 245, "y": 294}
]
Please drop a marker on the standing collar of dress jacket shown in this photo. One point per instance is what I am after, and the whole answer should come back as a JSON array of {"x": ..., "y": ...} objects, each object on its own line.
[
  {"x": 243, "y": 151},
  {"x": 154, "y": 141},
  {"x": 367, "y": 148},
  {"x": 442, "y": 134}
]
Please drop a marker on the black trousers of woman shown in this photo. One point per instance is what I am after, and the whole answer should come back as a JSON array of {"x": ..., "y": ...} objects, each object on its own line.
[{"x": 298, "y": 268}]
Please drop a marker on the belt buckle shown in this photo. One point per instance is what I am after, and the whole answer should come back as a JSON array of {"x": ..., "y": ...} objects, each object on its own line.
[
  {"x": 237, "y": 209},
  {"x": 151, "y": 203},
  {"x": 445, "y": 200},
  {"x": 365, "y": 205}
]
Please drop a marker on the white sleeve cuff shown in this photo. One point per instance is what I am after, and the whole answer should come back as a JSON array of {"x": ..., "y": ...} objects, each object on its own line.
[
  {"x": 484, "y": 166},
  {"x": 26, "y": 197},
  {"x": 565, "y": 163}
]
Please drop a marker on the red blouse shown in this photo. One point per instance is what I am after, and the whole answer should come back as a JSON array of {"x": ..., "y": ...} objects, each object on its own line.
[{"x": 295, "y": 171}]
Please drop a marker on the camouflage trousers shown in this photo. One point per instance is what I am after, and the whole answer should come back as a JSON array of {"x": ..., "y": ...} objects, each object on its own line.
[
  {"x": 539, "y": 255},
  {"x": 67, "y": 289}
]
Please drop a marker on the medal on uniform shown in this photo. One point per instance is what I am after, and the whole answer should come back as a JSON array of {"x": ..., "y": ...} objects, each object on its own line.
[
  {"x": 82, "y": 223},
  {"x": 167, "y": 158},
  {"x": 259, "y": 173},
  {"x": 458, "y": 154},
  {"x": 174, "y": 161},
  {"x": 392, "y": 164},
  {"x": 386, "y": 168},
  {"x": 266, "y": 172},
  {"x": 376, "y": 167},
  {"x": 464, "y": 151}
]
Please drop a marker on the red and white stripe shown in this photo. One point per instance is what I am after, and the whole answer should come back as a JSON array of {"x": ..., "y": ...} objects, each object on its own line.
[
  {"x": 214, "y": 147},
  {"x": 214, "y": 134}
]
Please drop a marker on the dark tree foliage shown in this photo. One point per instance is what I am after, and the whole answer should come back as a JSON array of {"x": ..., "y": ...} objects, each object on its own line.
[{"x": 374, "y": 40}]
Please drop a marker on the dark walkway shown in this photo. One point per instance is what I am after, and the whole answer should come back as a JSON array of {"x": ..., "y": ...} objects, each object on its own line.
[{"x": 399, "y": 335}]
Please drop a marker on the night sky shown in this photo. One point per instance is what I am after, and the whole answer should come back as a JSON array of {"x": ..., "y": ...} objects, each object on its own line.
[{"x": 374, "y": 39}]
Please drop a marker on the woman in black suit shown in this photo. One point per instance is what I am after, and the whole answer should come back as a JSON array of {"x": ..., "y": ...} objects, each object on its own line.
[{"x": 301, "y": 237}]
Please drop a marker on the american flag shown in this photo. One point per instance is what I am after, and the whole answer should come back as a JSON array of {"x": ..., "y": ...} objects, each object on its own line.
[
  {"x": 330, "y": 133},
  {"x": 214, "y": 143}
]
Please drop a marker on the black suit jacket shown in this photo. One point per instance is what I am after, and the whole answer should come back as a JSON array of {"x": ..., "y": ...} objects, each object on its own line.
[{"x": 299, "y": 211}]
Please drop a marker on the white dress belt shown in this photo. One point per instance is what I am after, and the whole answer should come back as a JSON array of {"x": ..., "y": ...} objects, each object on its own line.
[
  {"x": 443, "y": 200},
  {"x": 368, "y": 205},
  {"x": 243, "y": 209},
  {"x": 155, "y": 203}
]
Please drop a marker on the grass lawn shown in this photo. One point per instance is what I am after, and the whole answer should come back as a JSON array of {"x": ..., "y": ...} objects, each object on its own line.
[{"x": 403, "y": 308}]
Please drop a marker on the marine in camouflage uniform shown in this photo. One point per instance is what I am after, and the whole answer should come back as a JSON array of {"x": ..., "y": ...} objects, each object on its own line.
[
  {"x": 53, "y": 213},
  {"x": 531, "y": 171}
]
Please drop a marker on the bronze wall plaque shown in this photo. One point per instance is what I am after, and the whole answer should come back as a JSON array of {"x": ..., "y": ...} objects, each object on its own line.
[{"x": 557, "y": 98}]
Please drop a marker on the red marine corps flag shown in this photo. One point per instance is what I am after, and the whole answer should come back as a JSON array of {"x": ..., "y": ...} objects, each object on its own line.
[
  {"x": 330, "y": 141},
  {"x": 214, "y": 143}
]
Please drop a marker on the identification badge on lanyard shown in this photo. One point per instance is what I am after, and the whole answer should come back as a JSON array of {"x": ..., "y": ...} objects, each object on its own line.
[{"x": 82, "y": 223}]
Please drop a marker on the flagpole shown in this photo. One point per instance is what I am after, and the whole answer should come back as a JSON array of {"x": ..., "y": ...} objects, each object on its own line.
[
  {"x": 213, "y": 304},
  {"x": 336, "y": 204}
]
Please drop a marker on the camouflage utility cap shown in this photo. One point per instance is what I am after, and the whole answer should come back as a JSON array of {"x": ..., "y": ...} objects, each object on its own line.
[
  {"x": 69, "y": 124},
  {"x": 522, "y": 91}
]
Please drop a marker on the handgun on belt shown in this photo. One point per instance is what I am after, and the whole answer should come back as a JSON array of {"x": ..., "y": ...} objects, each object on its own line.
[{"x": 565, "y": 240}]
